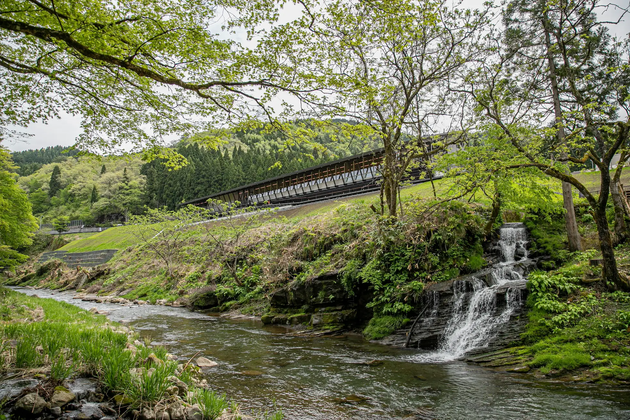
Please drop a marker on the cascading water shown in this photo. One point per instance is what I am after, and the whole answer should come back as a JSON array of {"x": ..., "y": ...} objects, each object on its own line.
[{"x": 475, "y": 319}]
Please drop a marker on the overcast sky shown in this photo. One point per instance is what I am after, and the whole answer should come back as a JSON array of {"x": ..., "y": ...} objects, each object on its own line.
[{"x": 65, "y": 130}]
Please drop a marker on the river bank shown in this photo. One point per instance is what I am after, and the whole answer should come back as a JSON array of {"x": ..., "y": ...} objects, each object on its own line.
[
  {"x": 347, "y": 377},
  {"x": 59, "y": 361},
  {"x": 345, "y": 268}
]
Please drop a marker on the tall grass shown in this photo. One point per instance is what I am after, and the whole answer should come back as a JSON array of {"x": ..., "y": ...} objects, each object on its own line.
[
  {"x": 61, "y": 368},
  {"x": 26, "y": 353},
  {"x": 150, "y": 386},
  {"x": 212, "y": 405},
  {"x": 72, "y": 341},
  {"x": 116, "y": 365}
]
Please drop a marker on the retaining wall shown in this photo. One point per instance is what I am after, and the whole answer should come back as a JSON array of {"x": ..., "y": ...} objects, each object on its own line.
[{"x": 83, "y": 259}]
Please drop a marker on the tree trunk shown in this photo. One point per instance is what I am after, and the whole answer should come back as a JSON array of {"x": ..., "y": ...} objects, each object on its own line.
[
  {"x": 573, "y": 235},
  {"x": 392, "y": 197},
  {"x": 496, "y": 208},
  {"x": 621, "y": 228},
  {"x": 619, "y": 203},
  {"x": 575, "y": 242},
  {"x": 389, "y": 180},
  {"x": 610, "y": 273}
]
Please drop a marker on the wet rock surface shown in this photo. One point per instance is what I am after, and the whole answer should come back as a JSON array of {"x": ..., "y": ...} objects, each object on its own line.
[
  {"x": 61, "y": 397},
  {"x": 91, "y": 411},
  {"x": 321, "y": 303},
  {"x": 504, "y": 286},
  {"x": 84, "y": 389},
  {"x": 13, "y": 387}
]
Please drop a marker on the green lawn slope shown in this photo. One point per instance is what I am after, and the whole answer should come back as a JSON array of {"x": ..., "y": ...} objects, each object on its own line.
[
  {"x": 125, "y": 236},
  {"x": 113, "y": 238}
]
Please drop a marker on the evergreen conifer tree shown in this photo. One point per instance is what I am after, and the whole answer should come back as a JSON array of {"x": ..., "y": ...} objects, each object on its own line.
[
  {"x": 93, "y": 196},
  {"x": 55, "y": 181}
]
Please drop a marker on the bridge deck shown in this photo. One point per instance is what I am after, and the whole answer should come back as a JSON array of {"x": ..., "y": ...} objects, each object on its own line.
[{"x": 351, "y": 175}]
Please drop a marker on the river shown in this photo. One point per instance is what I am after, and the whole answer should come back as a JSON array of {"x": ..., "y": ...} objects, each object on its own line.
[{"x": 329, "y": 378}]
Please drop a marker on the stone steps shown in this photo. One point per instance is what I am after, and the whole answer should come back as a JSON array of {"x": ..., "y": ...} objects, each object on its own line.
[{"x": 83, "y": 259}]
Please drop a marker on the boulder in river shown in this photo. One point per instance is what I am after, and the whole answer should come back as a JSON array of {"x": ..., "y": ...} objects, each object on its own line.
[
  {"x": 204, "y": 299},
  {"x": 31, "y": 404},
  {"x": 252, "y": 373},
  {"x": 206, "y": 363},
  {"x": 61, "y": 397}
]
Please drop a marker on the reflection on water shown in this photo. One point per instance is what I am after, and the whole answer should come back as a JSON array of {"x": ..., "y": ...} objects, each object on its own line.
[{"x": 329, "y": 378}]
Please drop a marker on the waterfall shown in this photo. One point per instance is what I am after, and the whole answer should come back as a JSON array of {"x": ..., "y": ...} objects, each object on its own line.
[
  {"x": 475, "y": 319},
  {"x": 513, "y": 236}
]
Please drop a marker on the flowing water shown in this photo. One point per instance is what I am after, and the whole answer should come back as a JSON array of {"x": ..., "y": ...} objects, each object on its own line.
[
  {"x": 476, "y": 319},
  {"x": 328, "y": 378}
]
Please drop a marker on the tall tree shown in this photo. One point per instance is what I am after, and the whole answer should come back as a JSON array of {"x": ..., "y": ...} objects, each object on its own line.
[
  {"x": 593, "y": 87},
  {"x": 125, "y": 177},
  {"x": 16, "y": 221},
  {"x": 61, "y": 224},
  {"x": 54, "y": 184},
  {"x": 529, "y": 32},
  {"x": 388, "y": 65}
]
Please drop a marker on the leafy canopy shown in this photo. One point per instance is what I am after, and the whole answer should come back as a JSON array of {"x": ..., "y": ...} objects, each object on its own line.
[
  {"x": 135, "y": 71},
  {"x": 388, "y": 65}
]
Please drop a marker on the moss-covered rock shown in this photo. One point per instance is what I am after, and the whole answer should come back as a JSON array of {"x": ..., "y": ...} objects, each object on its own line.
[
  {"x": 206, "y": 299},
  {"x": 267, "y": 318},
  {"x": 339, "y": 318},
  {"x": 299, "y": 319}
]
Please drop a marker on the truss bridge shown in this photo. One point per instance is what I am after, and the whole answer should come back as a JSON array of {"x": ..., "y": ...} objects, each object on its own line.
[{"x": 348, "y": 176}]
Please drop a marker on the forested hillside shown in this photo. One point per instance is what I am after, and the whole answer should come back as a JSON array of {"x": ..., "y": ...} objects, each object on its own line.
[
  {"x": 108, "y": 190},
  {"x": 30, "y": 161},
  {"x": 88, "y": 189},
  {"x": 246, "y": 158}
]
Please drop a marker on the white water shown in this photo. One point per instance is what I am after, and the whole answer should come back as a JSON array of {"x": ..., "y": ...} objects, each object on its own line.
[{"x": 475, "y": 321}]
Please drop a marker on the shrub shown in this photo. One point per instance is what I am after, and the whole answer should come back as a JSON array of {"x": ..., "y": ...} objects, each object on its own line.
[{"x": 383, "y": 326}]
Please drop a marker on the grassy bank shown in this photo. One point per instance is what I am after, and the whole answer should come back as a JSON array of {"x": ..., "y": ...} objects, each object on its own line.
[
  {"x": 112, "y": 238},
  {"x": 57, "y": 341},
  {"x": 576, "y": 326}
]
